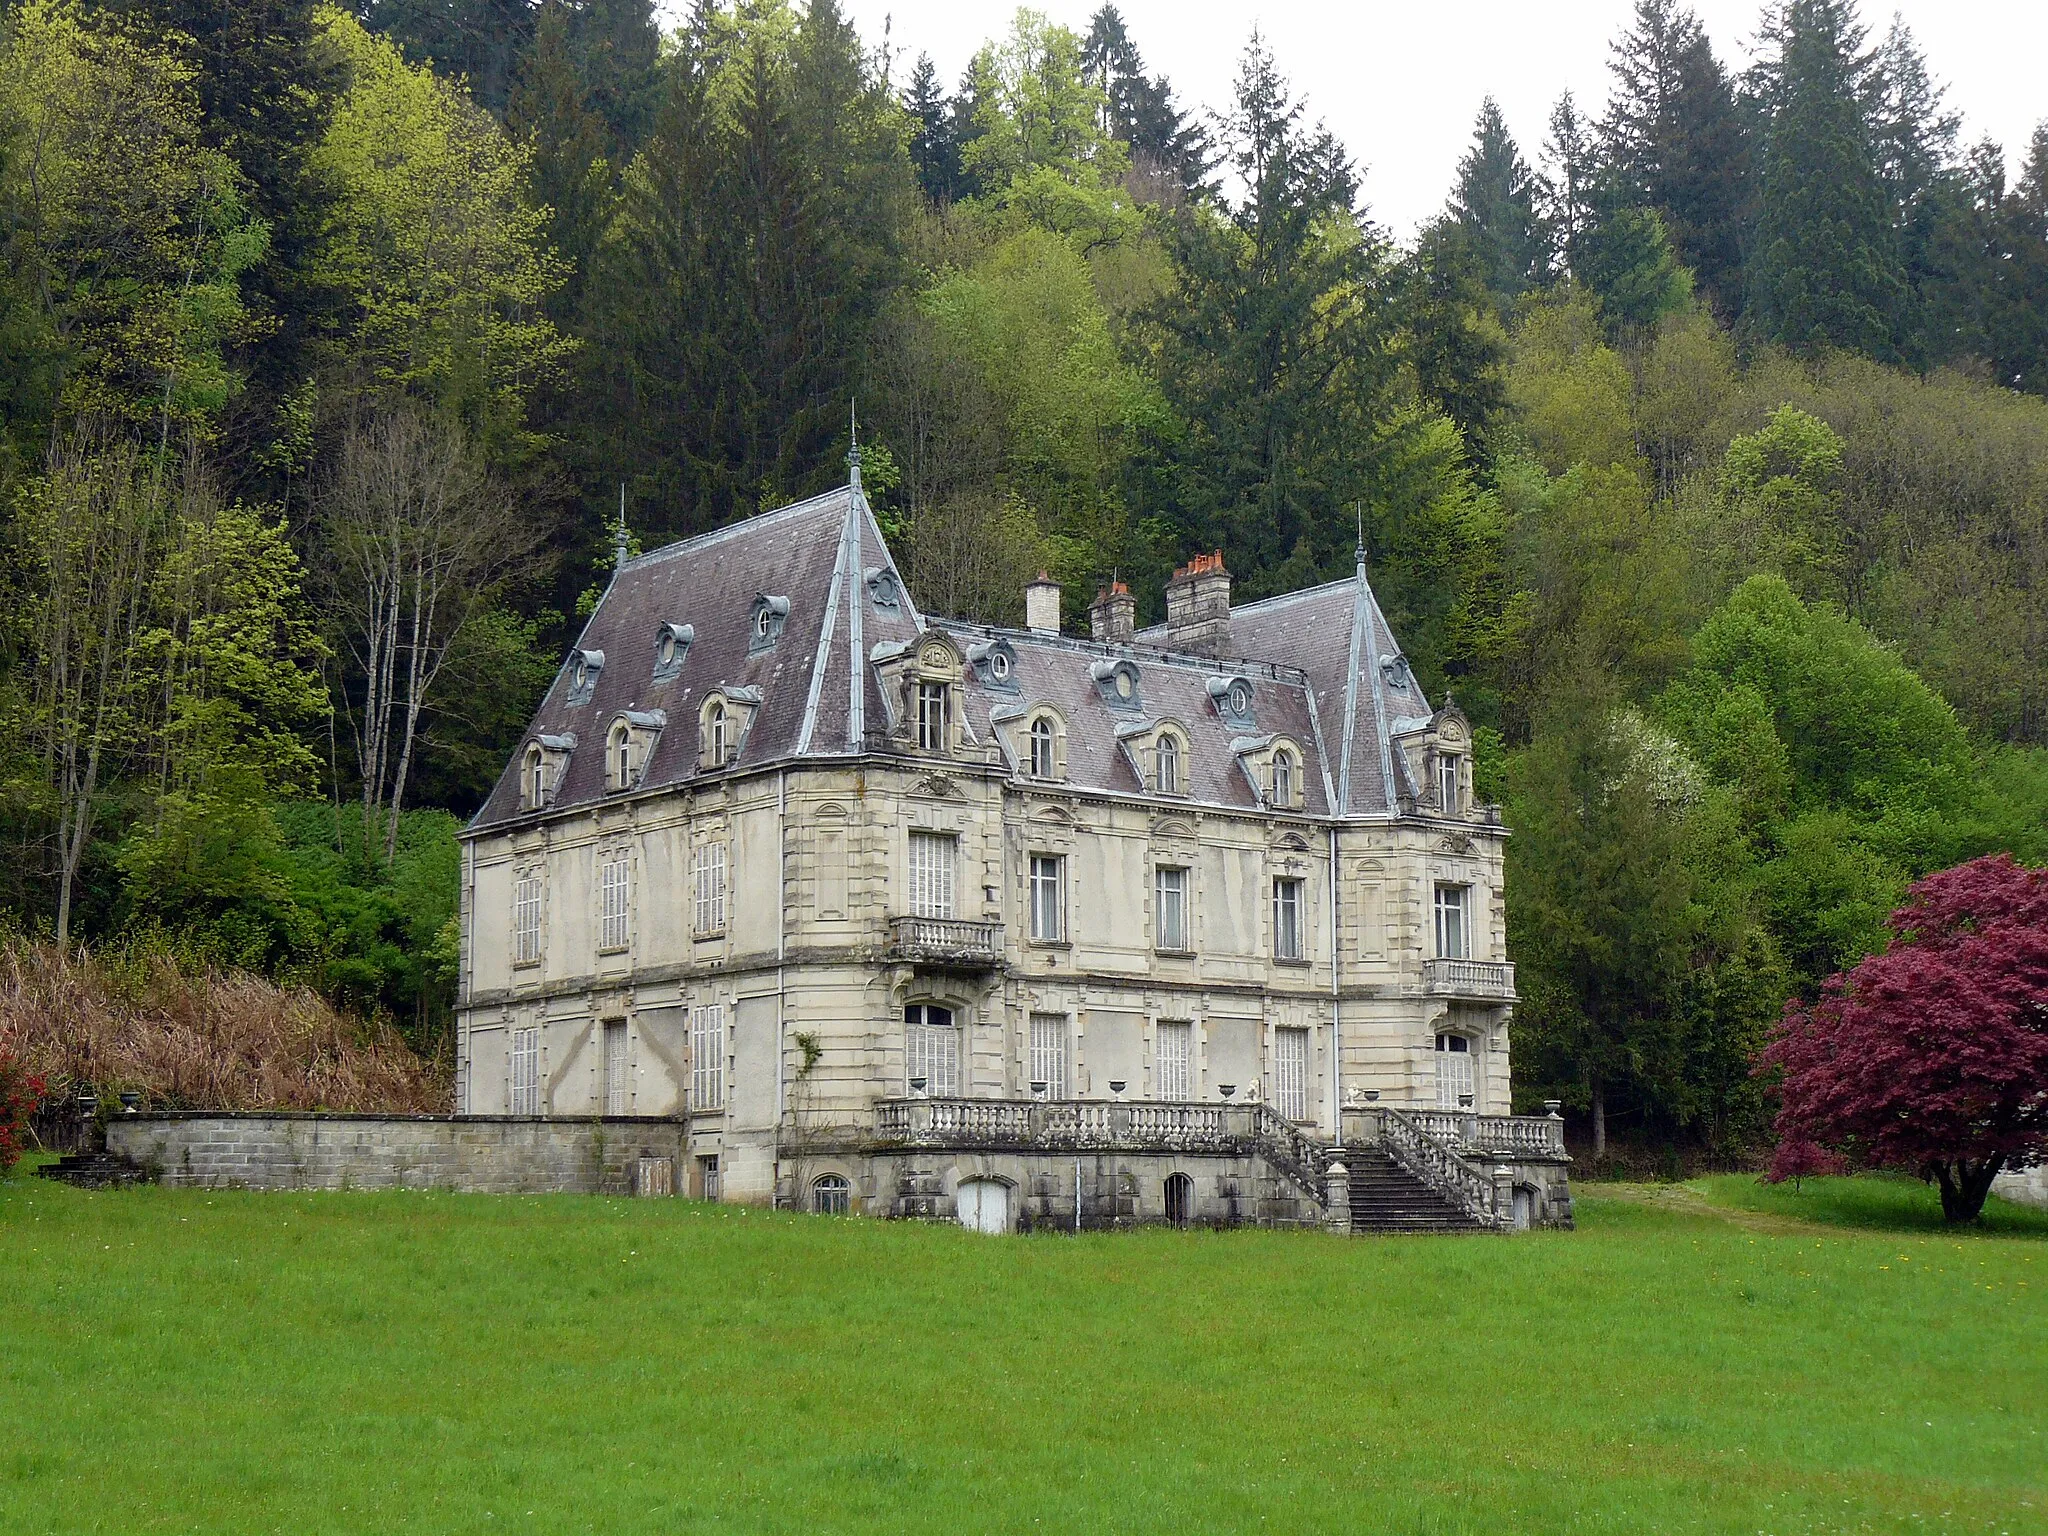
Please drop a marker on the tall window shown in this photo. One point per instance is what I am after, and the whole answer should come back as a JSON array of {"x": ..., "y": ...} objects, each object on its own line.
[
  {"x": 526, "y": 918},
  {"x": 1283, "y": 778},
  {"x": 1041, "y": 749},
  {"x": 931, "y": 874},
  {"x": 1170, "y": 908},
  {"x": 707, "y": 877},
  {"x": 614, "y": 876},
  {"x": 526, "y": 1071},
  {"x": 714, "y": 728},
  {"x": 616, "y": 1067},
  {"x": 931, "y": 1050},
  {"x": 1287, "y": 895},
  {"x": 1173, "y": 1077},
  {"x": 1453, "y": 1070},
  {"x": 1048, "y": 897},
  {"x": 1167, "y": 764},
  {"x": 622, "y": 758},
  {"x": 1290, "y": 1073},
  {"x": 536, "y": 779},
  {"x": 1049, "y": 1053},
  {"x": 707, "y": 1058},
  {"x": 931, "y": 717},
  {"x": 1453, "y": 938},
  {"x": 1447, "y": 783}
]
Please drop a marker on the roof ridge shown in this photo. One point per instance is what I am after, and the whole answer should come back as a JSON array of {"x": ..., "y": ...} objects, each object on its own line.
[{"x": 699, "y": 541}]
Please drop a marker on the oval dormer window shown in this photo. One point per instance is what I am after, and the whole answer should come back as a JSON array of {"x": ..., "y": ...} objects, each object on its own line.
[
  {"x": 998, "y": 666},
  {"x": 1240, "y": 698},
  {"x": 1123, "y": 685}
]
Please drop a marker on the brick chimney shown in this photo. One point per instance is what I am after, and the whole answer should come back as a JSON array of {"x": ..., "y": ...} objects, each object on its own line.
[
  {"x": 1042, "y": 606},
  {"x": 1114, "y": 615},
  {"x": 1198, "y": 607}
]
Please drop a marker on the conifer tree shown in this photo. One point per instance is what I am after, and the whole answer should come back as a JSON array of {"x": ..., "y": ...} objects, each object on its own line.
[
  {"x": 1168, "y": 147},
  {"x": 2018, "y": 305},
  {"x": 569, "y": 176},
  {"x": 1673, "y": 139},
  {"x": 934, "y": 134},
  {"x": 1826, "y": 270},
  {"x": 1494, "y": 202}
]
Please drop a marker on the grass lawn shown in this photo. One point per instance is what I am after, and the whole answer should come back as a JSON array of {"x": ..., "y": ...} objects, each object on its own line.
[{"x": 1711, "y": 1357}]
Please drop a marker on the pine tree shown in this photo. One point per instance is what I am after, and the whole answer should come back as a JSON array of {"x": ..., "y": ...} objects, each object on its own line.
[
  {"x": 2018, "y": 304},
  {"x": 1566, "y": 189},
  {"x": 1826, "y": 270},
  {"x": 478, "y": 41},
  {"x": 1169, "y": 149},
  {"x": 1673, "y": 139},
  {"x": 1494, "y": 201},
  {"x": 934, "y": 138},
  {"x": 569, "y": 175}
]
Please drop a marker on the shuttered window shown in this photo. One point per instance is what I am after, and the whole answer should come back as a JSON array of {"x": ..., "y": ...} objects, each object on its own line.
[
  {"x": 707, "y": 1057},
  {"x": 614, "y": 876},
  {"x": 1290, "y": 1073},
  {"x": 526, "y": 919},
  {"x": 1174, "y": 1074},
  {"x": 931, "y": 874},
  {"x": 526, "y": 1071},
  {"x": 616, "y": 1067},
  {"x": 931, "y": 1051},
  {"x": 707, "y": 874},
  {"x": 1049, "y": 1053}
]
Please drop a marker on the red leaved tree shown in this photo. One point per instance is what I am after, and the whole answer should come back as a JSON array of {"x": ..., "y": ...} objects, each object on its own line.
[{"x": 1933, "y": 1056}]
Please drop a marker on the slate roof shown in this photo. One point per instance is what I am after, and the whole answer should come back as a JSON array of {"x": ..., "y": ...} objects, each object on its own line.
[{"x": 823, "y": 555}]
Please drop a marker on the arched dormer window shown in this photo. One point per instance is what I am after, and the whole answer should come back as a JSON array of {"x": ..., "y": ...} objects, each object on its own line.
[
  {"x": 715, "y": 728},
  {"x": 1044, "y": 764},
  {"x": 1285, "y": 772},
  {"x": 1168, "y": 769},
  {"x": 533, "y": 779},
  {"x": 618, "y": 757}
]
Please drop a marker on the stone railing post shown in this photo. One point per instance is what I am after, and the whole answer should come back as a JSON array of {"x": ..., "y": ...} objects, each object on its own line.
[{"x": 1337, "y": 1188}]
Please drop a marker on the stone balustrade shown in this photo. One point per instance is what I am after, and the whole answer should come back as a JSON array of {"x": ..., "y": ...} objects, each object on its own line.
[
  {"x": 946, "y": 941},
  {"x": 1487, "y": 981}
]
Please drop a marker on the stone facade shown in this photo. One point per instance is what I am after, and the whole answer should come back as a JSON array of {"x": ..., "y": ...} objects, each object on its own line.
[
  {"x": 477, "y": 1154},
  {"x": 781, "y": 852}
]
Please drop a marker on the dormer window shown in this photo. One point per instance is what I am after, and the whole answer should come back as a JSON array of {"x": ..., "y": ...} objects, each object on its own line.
[
  {"x": 541, "y": 768},
  {"x": 1447, "y": 783},
  {"x": 715, "y": 726},
  {"x": 770, "y": 614},
  {"x": 1116, "y": 680},
  {"x": 628, "y": 746},
  {"x": 584, "y": 667},
  {"x": 1042, "y": 740},
  {"x": 671, "y": 645},
  {"x": 999, "y": 667},
  {"x": 1283, "y": 778},
  {"x": 1233, "y": 697},
  {"x": 1166, "y": 763},
  {"x": 995, "y": 664}
]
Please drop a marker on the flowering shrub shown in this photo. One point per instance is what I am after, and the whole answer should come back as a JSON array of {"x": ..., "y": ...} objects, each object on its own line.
[{"x": 20, "y": 1092}]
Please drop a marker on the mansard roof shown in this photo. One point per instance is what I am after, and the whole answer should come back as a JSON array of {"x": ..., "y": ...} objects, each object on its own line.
[
  {"x": 1323, "y": 667},
  {"x": 1365, "y": 694}
]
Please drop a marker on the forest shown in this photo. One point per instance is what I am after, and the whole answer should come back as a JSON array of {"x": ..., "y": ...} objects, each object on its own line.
[{"x": 1700, "y": 451}]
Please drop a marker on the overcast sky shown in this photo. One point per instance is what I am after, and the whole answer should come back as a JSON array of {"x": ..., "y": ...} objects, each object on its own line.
[{"x": 1400, "y": 83}]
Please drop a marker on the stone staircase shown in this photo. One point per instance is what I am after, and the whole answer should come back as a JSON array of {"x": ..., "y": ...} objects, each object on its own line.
[
  {"x": 94, "y": 1170},
  {"x": 1385, "y": 1197}
]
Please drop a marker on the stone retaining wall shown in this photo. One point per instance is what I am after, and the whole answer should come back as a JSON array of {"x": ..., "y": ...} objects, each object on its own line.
[{"x": 484, "y": 1154}]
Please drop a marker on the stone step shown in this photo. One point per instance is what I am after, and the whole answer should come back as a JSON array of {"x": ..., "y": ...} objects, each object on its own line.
[
  {"x": 93, "y": 1170},
  {"x": 1385, "y": 1197}
]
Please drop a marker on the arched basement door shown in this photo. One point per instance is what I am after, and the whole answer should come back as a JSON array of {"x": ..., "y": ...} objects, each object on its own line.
[{"x": 984, "y": 1205}]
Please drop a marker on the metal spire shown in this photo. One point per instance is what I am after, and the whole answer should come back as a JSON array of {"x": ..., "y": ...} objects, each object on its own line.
[
  {"x": 622, "y": 545},
  {"x": 853, "y": 453}
]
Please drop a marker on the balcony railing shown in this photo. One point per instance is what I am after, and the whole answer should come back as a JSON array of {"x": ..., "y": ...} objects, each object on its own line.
[
  {"x": 1507, "y": 1136},
  {"x": 946, "y": 941},
  {"x": 1488, "y": 981}
]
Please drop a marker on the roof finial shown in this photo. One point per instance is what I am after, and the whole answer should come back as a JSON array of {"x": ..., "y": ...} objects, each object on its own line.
[
  {"x": 1359, "y": 508},
  {"x": 623, "y": 545},
  {"x": 853, "y": 453}
]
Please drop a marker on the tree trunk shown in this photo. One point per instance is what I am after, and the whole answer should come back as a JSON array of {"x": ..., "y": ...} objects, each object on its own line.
[
  {"x": 1964, "y": 1186},
  {"x": 1599, "y": 1120}
]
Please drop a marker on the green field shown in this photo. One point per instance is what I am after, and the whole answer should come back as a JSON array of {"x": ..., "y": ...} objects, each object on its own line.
[{"x": 1711, "y": 1357}]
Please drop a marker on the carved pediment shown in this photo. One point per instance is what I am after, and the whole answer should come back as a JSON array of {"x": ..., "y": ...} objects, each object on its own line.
[{"x": 938, "y": 786}]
